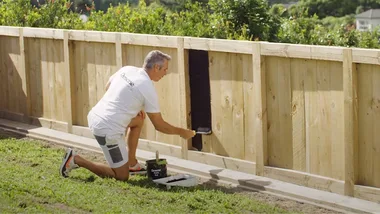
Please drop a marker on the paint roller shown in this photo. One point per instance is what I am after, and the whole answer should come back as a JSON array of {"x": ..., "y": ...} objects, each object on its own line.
[{"x": 203, "y": 130}]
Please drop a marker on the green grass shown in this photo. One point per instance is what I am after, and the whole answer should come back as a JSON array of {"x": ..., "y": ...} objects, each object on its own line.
[{"x": 30, "y": 183}]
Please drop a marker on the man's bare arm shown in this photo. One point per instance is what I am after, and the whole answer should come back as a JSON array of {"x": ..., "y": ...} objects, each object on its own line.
[{"x": 162, "y": 126}]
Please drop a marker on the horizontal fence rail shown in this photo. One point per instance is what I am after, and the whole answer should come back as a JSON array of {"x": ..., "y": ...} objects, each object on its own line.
[{"x": 298, "y": 113}]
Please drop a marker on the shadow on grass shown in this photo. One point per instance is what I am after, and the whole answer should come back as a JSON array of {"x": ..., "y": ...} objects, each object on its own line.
[
  {"x": 147, "y": 183},
  {"x": 204, "y": 185},
  {"x": 4, "y": 134},
  {"x": 87, "y": 179},
  {"x": 137, "y": 180}
]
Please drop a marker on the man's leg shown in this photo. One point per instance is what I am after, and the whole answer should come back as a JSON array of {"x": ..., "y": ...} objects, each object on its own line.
[
  {"x": 103, "y": 170},
  {"x": 133, "y": 136}
]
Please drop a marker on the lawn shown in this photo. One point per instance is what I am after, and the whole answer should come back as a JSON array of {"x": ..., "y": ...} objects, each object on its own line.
[{"x": 30, "y": 183}]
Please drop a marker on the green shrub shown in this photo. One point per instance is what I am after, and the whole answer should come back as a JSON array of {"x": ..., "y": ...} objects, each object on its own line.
[
  {"x": 369, "y": 39},
  {"x": 227, "y": 19},
  {"x": 251, "y": 15},
  {"x": 14, "y": 12},
  {"x": 53, "y": 14}
]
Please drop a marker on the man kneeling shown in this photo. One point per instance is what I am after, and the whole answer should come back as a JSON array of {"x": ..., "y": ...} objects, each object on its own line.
[{"x": 130, "y": 93}]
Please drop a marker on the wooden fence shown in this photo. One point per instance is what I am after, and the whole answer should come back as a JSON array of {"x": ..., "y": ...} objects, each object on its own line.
[{"x": 303, "y": 114}]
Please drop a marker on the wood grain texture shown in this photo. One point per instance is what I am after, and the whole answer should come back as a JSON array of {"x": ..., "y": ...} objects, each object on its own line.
[
  {"x": 91, "y": 66},
  {"x": 368, "y": 127},
  {"x": 350, "y": 121}
]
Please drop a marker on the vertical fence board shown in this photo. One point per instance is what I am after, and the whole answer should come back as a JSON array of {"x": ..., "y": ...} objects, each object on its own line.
[
  {"x": 323, "y": 137},
  {"x": 3, "y": 74},
  {"x": 81, "y": 60},
  {"x": 260, "y": 105},
  {"x": 119, "y": 53},
  {"x": 67, "y": 105},
  {"x": 232, "y": 106},
  {"x": 249, "y": 113},
  {"x": 350, "y": 121},
  {"x": 279, "y": 112},
  {"x": 25, "y": 103},
  {"x": 283, "y": 148},
  {"x": 366, "y": 131},
  {"x": 49, "y": 60},
  {"x": 311, "y": 117},
  {"x": 59, "y": 83},
  {"x": 45, "y": 74},
  {"x": 94, "y": 69},
  {"x": 44, "y": 62},
  {"x": 226, "y": 76},
  {"x": 303, "y": 97},
  {"x": 216, "y": 62},
  {"x": 82, "y": 81},
  {"x": 298, "y": 71},
  {"x": 184, "y": 95},
  {"x": 273, "y": 111},
  {"x": 16, "y": 77},
  {"x": 73, "y": 56},
  {"x": 33, "y": 67},
  {"x": 93, "y": 63},
  {"x": 376, "y": 126},
  {"x": 369, "y": 116},
  {"x": 336, "y": 120}
]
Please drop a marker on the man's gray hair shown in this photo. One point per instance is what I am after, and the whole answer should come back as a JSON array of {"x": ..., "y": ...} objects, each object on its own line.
[{"x": 155, "y": 57}]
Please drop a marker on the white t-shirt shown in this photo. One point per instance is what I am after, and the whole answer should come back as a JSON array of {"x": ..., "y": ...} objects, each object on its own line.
[{"x": 131, "y": 90}]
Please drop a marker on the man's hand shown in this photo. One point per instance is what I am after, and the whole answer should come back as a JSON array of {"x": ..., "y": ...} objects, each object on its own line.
[
  {"x": 164, "y": 127},
  {"x": 186, "y": 133},
  {"x": 142, "y": 114}
]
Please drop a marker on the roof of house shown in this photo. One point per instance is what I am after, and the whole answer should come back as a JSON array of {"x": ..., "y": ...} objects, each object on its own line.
[{"x": 370, "y": 14}]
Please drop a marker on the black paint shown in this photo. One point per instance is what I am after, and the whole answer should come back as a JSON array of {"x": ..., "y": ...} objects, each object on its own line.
[{"x": 199, "y": 93}]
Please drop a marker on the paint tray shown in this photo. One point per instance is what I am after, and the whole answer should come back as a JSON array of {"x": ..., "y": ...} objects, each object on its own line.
[{"x": 182, "y": 180}]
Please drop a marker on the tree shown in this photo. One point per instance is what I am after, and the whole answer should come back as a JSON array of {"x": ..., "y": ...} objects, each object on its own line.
[
  {"x": 337, "y": 8},
  {"x": 251, "y": 14}
]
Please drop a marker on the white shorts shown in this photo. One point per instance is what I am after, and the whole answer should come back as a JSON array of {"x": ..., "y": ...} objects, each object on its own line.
[
  {"x": 114, "y": 149},
  {"x": 113, "y": 144}
]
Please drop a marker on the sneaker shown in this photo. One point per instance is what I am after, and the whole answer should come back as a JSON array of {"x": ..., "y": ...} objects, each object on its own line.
[
  {"x": 137, "y": 169},
  {"x": 68, "y": 163}
]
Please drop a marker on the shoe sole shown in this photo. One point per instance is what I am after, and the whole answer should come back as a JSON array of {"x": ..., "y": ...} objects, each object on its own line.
[{"x": 68, "y": 154}]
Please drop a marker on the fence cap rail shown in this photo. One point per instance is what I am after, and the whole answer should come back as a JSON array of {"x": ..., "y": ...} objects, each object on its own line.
[
  {"x": 9, "y": 31},
  {"x": 303, "y": 51},
  {"x": 368, "y": 56},
  {"x": 222, "y": 45}
]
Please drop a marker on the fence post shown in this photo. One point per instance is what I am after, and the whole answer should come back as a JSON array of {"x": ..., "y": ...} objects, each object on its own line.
[
  {"x": 66, "y": 55},
  {"x": 24, "y": 76},
  {"x": 184, "y": 94},
  {"x": 260, "y": 120},
  {"x": 119, "y": 58},
  {"x": 350, "y": 121}
]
